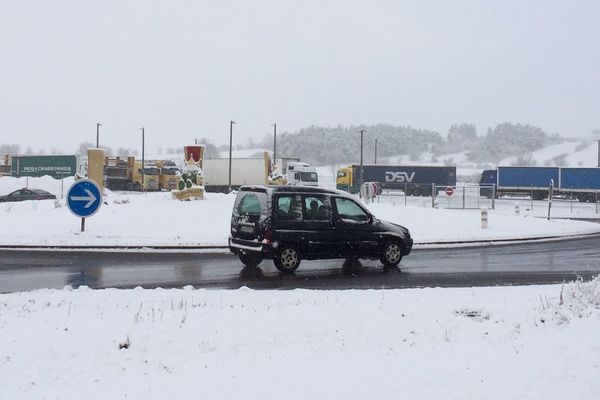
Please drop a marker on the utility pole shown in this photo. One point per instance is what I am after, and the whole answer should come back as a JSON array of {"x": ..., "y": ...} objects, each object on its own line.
[
  {"x": 98, "y": 125},
  {"x": 230, "y": 144},
  {"x": 274, "y": 142},
  {"x": 143, "y": 150},
  {"x": 375, "y": 151},
  {"x": 362, "y": 131},
  {"x": 599, "y": 153}
]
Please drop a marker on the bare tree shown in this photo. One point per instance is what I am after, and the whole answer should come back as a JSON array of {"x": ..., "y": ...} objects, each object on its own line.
[
  {"x": 83, "y": 147},
  {"x": 11, "y": 149}
]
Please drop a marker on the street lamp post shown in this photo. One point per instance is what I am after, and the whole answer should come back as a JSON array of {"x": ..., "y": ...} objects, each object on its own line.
[
  {"x": 143, "y": 160},
  {"x": 274, "y": 142},
  {"x": 230, "y": 144},
  {"x": 362, "y": 131},
  {"x": 375, "y": 151},
  {"x": 98, "y": 125}
]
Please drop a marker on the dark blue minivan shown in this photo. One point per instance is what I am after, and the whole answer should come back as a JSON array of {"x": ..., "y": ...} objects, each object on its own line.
[{"x": 291, "y": 223}]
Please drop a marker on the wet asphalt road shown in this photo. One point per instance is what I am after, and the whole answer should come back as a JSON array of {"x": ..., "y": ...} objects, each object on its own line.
[{"x": 515, "y": 264}]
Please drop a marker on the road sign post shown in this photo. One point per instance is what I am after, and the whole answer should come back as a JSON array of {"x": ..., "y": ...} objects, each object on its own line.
[
  {"x": 550, "y": 196},
  {"x": 484, "y": 218},
  {"x": 84, "y": 199}
]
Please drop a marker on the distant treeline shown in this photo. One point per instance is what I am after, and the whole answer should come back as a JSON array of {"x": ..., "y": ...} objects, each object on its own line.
[{"x": 325, "y": 145}]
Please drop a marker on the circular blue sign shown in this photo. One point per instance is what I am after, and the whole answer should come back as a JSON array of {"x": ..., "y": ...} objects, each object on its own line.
[{"x": 84, "y": 198}]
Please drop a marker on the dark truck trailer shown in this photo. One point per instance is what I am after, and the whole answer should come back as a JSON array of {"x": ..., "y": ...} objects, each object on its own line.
[
  {"x": 415, "y": 179},
  {"x": 583, "y": 183}
]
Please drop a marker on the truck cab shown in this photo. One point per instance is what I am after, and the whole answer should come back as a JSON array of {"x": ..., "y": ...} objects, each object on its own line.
[
  {"x": 151, "y": 176},
  {"x": 301, "y": 173},
  {"x": 487, "y": 182},
  {"x": 168, "y": 178},
  {"x": 168, "y": 175},
  {"x": 343, "y": 180}
]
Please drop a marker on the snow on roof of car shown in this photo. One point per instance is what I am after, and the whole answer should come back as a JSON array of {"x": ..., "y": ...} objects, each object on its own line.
[{"x": 291, "y": 189}]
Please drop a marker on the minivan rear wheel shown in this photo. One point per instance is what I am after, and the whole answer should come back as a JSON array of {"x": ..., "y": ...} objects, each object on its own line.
[
  {"x": 250, "y": 259},
  {"x": 391, "y": 254},
  {"x": 287, "y": 259}
]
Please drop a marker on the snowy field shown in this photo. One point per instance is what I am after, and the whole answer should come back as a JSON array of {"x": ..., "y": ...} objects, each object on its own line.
[
  {"x": 136, "y": 219},
  {"x": 535, "y": 342},
  {"x": 468, "y": 343}
]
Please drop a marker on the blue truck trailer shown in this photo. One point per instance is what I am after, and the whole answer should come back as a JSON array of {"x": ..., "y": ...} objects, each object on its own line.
[
  {"x": 581, "y": 182},
  {"x": 414, "y": 179}
]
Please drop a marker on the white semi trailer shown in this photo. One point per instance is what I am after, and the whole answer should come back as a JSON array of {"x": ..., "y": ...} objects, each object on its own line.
[{"x": 244, "y": 171}]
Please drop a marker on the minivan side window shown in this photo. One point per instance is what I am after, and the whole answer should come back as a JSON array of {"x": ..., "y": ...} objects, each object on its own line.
[
  {"x": 318, "y": 208},
  {"x": 350, "y": 211},
  {"x": 250, "y": 204},
  {"x": 289, "y": 208}
]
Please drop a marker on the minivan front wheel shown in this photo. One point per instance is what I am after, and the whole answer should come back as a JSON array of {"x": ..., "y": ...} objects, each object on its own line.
[
  {"x": 391, "y": 254},
  {"x": 250, "y": 259},
  {"x": 287, "y": 259}
]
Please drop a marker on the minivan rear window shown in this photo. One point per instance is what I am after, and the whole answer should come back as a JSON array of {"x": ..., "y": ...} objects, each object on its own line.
[{"x": 250, "y": 204}]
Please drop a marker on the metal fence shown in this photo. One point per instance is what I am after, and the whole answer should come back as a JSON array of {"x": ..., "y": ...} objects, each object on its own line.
[
  {"x": 465, "y": 196},
  {"x": 474, "y": 196}
]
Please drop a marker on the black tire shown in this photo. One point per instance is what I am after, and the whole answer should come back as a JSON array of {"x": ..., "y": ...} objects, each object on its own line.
[
  {"x": 391, "y": 255},
  {"x": 250, "y": 259},
  {"x": 287, "y": 259},
  {"x": 584, "y": 198},
  {"x": 539, "y": 195}
]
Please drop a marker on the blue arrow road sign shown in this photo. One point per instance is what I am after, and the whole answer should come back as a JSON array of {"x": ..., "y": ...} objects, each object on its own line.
[{"x": 84, "y": 198}]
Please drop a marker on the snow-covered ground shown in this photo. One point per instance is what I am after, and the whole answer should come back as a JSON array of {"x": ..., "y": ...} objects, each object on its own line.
[
  {"x": 536, "y": 342},
  {"x": 136, "y": 219},
  {"x": 468, "y": 343}
]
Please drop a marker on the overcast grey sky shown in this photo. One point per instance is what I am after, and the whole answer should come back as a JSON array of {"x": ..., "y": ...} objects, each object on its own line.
[{"x": 183, "y": 69}]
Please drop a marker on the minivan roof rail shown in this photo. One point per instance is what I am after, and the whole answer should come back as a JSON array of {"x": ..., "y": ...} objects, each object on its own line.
[{"x": 290, "y": 189}]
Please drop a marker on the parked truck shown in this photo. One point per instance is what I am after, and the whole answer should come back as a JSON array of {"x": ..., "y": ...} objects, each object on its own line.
[
  {"x": 580, "y": 182},
  {"x": 125, "y": 173},
  {"x": 296, "y": 172},
  {"x": 167, "y": 170},
  {"x": 414, "y": 179},
  {"x": 244, "y": 171}
]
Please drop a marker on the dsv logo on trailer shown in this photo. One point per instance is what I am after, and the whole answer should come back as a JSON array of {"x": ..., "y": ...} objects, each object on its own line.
[{"x": 401, "y": 177}]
